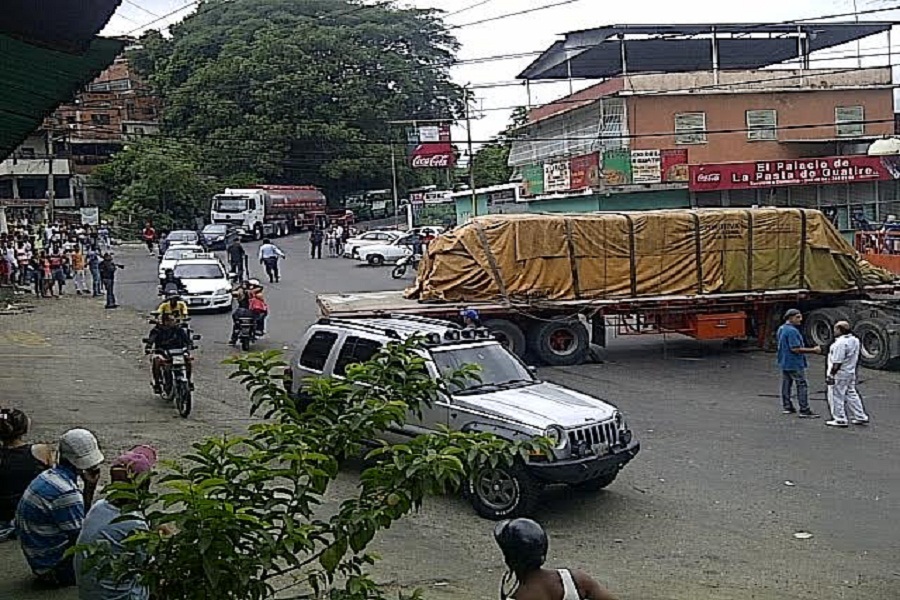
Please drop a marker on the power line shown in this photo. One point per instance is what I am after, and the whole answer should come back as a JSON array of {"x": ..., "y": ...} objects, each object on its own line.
[
  {"x": 467, "y": 8},
  {"x": 139, "y": 7},
  {"x": 514, "y": 14}
]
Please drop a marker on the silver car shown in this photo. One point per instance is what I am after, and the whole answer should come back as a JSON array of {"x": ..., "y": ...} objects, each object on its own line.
[{"x": 592, "y": 441}]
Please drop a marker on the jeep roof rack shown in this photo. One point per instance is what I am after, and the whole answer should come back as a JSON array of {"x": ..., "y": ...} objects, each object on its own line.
[{"x": 361, "y": 326}]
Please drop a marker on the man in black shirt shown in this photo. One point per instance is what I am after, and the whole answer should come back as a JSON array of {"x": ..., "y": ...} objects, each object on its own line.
[
  {"x": 108, "y": 276},
  {"x": 167, "y": 335},
  {"x": 237, "y": 257}
]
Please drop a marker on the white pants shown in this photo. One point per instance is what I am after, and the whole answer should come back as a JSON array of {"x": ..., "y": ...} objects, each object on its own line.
[
  {"x": 78, "y": 278},
  {"x": 843, "y": 398}
]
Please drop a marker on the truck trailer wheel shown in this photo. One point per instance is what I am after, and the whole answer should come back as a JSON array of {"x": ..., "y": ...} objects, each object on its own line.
[
  {"x": 508, "y": 334},
  {"x": 818, "y": 324},
  {"x": 559, "y": 343},
  {"x": 874, "y": 343}
]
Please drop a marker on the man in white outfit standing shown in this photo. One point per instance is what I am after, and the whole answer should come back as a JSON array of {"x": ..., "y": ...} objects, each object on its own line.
[{"x": 843, "y": 357}]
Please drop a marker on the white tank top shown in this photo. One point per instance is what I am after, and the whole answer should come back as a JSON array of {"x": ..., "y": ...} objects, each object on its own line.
[{"x": 569, "y": 587}]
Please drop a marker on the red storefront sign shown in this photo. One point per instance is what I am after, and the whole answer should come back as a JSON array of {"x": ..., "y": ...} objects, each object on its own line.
[
  {"x": 805, "y": 171},
  {"x": 584, "y": 171},
  {"x": 432, "y": 148},
  {"x": 674, "y": 165}
]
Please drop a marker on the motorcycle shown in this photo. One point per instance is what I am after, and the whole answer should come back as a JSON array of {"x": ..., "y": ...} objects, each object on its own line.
[
  {"x": 411, "y": 261},
  {"x": 246, "y": 331},
  {"x": 176, "y": 387}
]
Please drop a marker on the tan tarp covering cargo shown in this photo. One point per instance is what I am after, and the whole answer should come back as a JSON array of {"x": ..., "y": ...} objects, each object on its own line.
[{"x": 653, "y": 253}]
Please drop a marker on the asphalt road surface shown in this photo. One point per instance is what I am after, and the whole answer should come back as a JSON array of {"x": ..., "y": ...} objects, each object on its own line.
[{"x": 708, "y": 510}]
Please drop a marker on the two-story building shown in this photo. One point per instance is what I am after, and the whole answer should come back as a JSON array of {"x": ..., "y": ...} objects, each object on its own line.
[{"x": 674, "y": 98}]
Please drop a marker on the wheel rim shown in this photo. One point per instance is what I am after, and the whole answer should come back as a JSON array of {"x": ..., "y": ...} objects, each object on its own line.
[
  {"x": 497, "y": 489},
  {"x": 562, "y": 342},
  {"x": 822, "y": 332},
  {"x": 870, "y": 345}
]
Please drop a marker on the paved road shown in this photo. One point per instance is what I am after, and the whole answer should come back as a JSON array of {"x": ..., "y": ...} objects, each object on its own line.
[{"x": 708, "y": 510}]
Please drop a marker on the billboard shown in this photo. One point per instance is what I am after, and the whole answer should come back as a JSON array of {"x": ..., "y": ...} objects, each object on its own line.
[
  {"x": 646, "y": 166},
  {"x": 556, "y": 177},
  {"x": 584, "y": 171},
  {"x": 616, "y": 167},
  {"x": 805, "y": 171},
  {"x": 533, "y": 180},
  {"x": 430, "y": 147},
  {"x": 674, "y": 165}
]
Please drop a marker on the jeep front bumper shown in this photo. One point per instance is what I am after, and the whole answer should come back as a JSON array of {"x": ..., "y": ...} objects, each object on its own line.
[{"x": 579, "y": 470}]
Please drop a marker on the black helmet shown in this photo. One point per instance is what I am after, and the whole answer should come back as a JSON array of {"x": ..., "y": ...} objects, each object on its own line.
[{"x": 523, "y": 543}]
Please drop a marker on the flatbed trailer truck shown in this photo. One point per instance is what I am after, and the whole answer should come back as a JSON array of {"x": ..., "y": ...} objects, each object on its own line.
[{"x": 561, "y": 332}]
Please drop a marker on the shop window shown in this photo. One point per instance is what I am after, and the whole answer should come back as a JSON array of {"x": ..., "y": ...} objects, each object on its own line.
[
  {"x": 690, "y": 128},
  {"x": 762, "y": 125},
  {"x": 849, "y": 121}
]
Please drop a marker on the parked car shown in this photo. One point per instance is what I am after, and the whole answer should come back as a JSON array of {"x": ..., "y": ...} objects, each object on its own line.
[
  {"x": 176, "y": 253},
  {"x": 206, "y": 281},
  {"x": 218, "y": 236},
  {"x": 592, "y": 441},
  {"x": 379, "y": 254},
  {"x": 183, "y": 236},
  {"x": 367, "y": 239}
]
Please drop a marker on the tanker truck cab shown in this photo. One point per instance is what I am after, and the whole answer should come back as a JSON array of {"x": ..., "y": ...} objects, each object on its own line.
[
  {"x": 591, "y": 439},
  {"x": 242, "y": 208}
]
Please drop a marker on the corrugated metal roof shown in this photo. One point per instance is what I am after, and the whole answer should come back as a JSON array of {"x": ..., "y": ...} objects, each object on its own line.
[
  {"x": 598, "y": 53},
  {"x": 49, "y": 52}
]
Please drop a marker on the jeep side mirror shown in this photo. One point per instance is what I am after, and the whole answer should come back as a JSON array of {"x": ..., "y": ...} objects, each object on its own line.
[
  {"x": 532, "y": 369},
  {"x": 195, "y": 337},
  {"x": 145, "y": 340}
]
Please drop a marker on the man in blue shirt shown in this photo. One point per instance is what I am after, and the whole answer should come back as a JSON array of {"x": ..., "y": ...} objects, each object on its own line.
[
  {"x": 792, "y": 353},
  {"x": 51, "y": 512}
]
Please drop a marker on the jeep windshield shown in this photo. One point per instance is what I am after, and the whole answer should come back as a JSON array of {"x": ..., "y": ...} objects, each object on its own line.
[
  {"x": 230, "y": 204},
  {"x": 499, "y": 369}
]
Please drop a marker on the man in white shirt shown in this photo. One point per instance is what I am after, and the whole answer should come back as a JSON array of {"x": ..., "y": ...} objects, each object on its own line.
[
  {"x": 269, "y": 254},
  {"x": 843, "y": 357}
]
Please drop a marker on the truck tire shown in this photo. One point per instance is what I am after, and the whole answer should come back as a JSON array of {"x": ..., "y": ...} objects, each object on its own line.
[
  {"x": 508, "y": 334},
  {"x": 818, "y": 325},
  {"x": 598, "y": 483},
  {"x": 560, "y": 342},
  {"x": 504, "y": 492},
  {"x": 874, "y": 343}
]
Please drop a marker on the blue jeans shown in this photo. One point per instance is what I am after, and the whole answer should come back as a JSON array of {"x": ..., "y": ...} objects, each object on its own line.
[
  {"x": 788, "y": 379},
  {"x": 110, "y": 295},
  {"x": 95, "y": 282}
]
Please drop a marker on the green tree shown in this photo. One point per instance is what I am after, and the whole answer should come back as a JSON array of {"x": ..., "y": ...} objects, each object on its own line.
[
  {"x": 158, "y": 181},
  {"x": 301, "y": 91},
  {"x": 492, "y": 159},
  {"x": 245, "y": 509}
]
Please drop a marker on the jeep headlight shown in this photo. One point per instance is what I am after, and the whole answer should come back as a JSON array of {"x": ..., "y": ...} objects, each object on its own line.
[
  {"x": 621, "y": 425},
  {"x": 557, "y": 437}
]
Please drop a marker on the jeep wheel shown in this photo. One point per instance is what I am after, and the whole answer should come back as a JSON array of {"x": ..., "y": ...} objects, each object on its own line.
[
  {"x": 503, "y": 492},
  {"x": 598, "y": 483}
]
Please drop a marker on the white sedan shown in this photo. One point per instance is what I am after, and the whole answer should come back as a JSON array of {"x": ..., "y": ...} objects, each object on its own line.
[
  {"x": 380, "y": 254},
  {"x": 370, "y": 238},
  {"x": 176, "y": 253},
  {"x": 206, "y": 281}
]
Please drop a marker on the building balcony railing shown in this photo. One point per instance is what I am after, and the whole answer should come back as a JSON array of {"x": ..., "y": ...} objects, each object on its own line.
[{"x": 33, "y": 167}]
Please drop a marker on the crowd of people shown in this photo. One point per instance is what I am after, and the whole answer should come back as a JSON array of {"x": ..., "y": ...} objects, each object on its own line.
[{"x": 46, "y": 258}]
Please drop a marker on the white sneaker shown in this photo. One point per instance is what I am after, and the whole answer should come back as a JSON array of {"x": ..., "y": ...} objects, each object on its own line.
[
  {"x": 859, "y": 421},
  {"x": 836, "y": 423}
]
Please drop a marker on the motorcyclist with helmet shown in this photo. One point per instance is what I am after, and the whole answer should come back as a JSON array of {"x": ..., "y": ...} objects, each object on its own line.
[
  {"x": 173, "y": 305},
  {"x": 167, "y": 335},
  {"x": 524, "y": 545},
  {"x": 470, "y": 317},
  {"x": 169, "y": 282},
  {"x": 246, "y": 296}
]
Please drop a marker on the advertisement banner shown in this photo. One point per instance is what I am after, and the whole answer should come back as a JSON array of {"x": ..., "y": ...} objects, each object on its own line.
[
  {"x": 674, "y": 165},
  {"x": 646, "y": 166},
  {"x": 806, "y": 171},
  {"x": 430, "y": 147},
  {"x": 533, "y": 180},
  {"x": 616, "y": 167},
  {"x": 556, "y": 177},
  {"x": 584, "y": 171}
]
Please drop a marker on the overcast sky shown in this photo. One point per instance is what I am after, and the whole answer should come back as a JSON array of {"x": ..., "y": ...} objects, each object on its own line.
[{"x": 537, "y": 30}]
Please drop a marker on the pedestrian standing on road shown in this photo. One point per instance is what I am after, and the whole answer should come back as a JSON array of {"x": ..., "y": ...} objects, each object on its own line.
[
  {"x": 792, "y": 361},
  {"x": 77, "y": 261},
  {"x": 149, "y": 235},
  {"x": 104, "y": 237},
  {"x": 315, "y": 243},
  {"x": 237, "y": 258},
  {"x": 57, "y": 268},
  {"x": 20, "y": 463},
  {"x": 52, "y": 509},
  {"x": 843, "y": 357},
  {"x": 93, "y": 262},
  {"x": 105, "y": 522},
  {"x": 108, "y": 276},
  {"x": 269, "y": 254},
  {"x": 524, "y": 545}
]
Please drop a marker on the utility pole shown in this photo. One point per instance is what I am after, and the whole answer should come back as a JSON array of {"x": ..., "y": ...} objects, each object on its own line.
[
  {"x": 468, "y": 92},
  {"x": 396, "y": 192},
  {"x": 51, "y": 187}
]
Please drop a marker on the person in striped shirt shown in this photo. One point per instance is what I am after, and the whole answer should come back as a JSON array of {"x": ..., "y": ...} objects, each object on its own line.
[{"x": 52, "y": 509}]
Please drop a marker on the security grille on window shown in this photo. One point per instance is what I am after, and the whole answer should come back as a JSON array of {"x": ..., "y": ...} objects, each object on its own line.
[
  {"x": 761, "y": 125},
  {"x": 690, "y": 128},
  {"x": 848, "y": 121}
]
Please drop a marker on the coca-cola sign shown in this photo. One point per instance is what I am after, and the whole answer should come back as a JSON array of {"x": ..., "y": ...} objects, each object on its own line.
[
  {"x": 437, "y": 161},
  {"x": 430, "y": 147}
]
